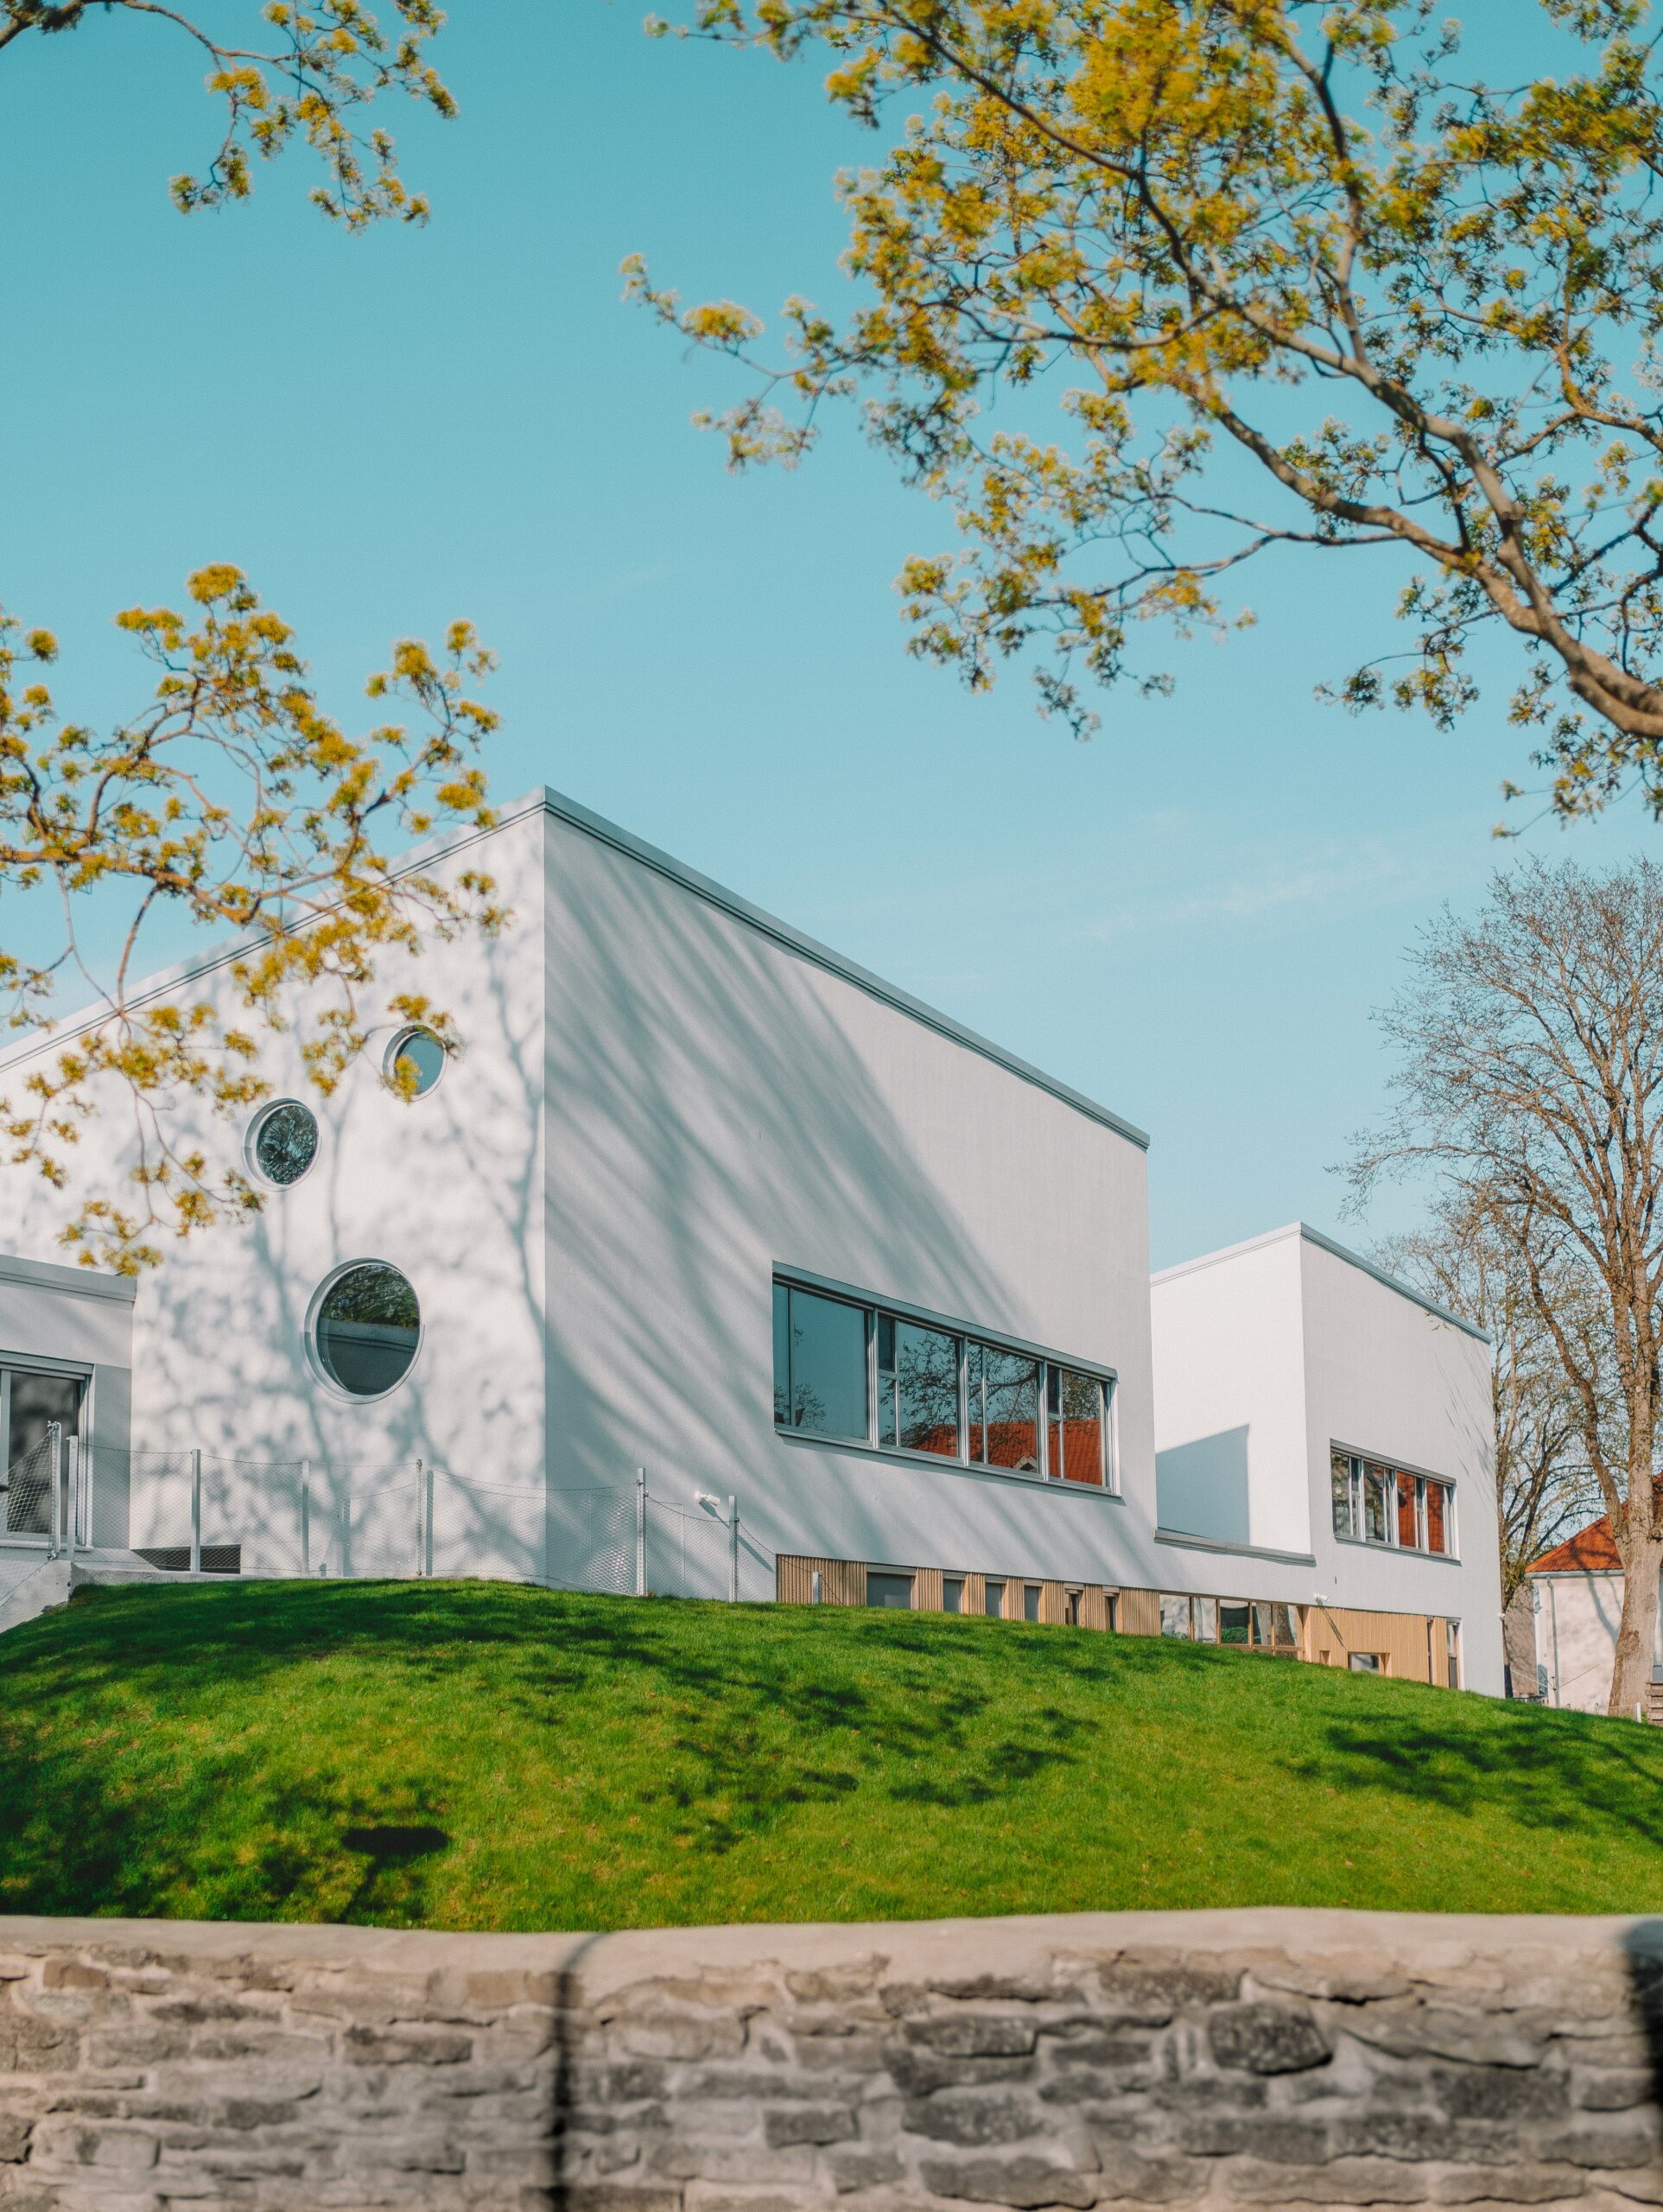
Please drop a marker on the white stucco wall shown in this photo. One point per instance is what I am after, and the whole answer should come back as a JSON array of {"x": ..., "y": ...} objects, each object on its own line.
[
  {"x": 1576, "y": 1619},
  {"x": 721, "y": 1104},
  {"x": 1267, "y": 1355},
  {"x": 447, "y": 1189},
  {"x": 1229, "y": 1398}
]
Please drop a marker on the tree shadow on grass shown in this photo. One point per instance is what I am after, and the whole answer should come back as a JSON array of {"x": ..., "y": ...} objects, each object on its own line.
[
  {"x": 1547, "y": 1770},
  {"x": 143, "y": 1768}
]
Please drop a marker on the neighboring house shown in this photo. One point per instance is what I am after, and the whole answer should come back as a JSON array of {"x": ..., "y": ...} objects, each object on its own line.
[
  {"x": 1575, "y": 1592},
  {"x": 700, "y": 1196},
  {"x": 1325, "y": 1433}
]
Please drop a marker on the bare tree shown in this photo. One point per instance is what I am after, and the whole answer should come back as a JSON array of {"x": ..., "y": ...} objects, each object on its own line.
[
  {"x": 1465, "y": 1260},
  {"x": 1530, "y": 1077}
]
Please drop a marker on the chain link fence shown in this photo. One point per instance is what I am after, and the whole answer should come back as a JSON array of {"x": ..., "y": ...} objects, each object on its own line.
[{"x": 193, "y": 1511}]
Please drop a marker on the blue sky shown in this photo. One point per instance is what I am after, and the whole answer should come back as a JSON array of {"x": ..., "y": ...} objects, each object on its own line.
[{"x": 1189, "y": 918}]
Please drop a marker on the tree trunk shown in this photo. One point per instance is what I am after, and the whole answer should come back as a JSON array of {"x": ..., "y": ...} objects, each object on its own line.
[{"x": 1631, "y": 1677}]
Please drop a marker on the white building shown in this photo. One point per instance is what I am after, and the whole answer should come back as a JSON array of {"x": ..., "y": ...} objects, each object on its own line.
[
  {"x": 1326, "y": 1432},
  {"x": 1575, "y": 1592},
  {"x": 698, "y": 1195}
]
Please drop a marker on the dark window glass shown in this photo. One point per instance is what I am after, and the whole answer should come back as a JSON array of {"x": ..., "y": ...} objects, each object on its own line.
[
  {"x": 952, "y": 1593},
  {"x": 976, "y": 1377},
  {"x": 1030, "y": 1601},
  {"x": 1452, "y": 1633},
  {"x": 993, "y": 1600},
  {"x": 1408, "y": 1523},
  {"x": 886, "y": 1362},
  {"x": 285, "y": 1142},
  {"x": 1234, "y": 1622},
  {"x": 828, "y": 1367},
  {"x": 416, "y": 1060},
  {"x": 1073, "y": 1424},
  {"x": 1011, "y": 1433},
  {"x": 1373, "y": 1504},
  {"x": 367, "y": 1329},
  {"x": 1367, "y": 1662},
  {"x": 927, "y": 1389},
  {"x": 1438, "y": 1517},
  {"x": 891, "y": 1590},
  {"x": 1174, "y": 1615},
  {"x": 782, "y": 1354},
  {"x": 1071, "y": 1607},
  {"x": 36, "y": 1401},
  {"x": 1340, "y": 1479}
]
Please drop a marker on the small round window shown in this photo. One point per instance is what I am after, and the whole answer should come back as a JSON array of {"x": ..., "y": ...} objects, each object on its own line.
[
  {"x": 283, "y": 1142},
  {"x": 367, "y": 1329},
  {"x": 415, "y": 1062}
]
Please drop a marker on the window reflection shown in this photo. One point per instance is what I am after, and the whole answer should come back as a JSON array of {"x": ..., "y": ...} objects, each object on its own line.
[
  {"x": 1074, "y": 1421},
  {"x": 1011, "y": 1432},
  {"x": 826, "y": 1373},
  {"x": 918, "y": 1388}
]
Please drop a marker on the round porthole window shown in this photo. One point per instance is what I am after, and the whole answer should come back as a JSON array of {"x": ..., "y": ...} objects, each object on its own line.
[
  {"x": 366, "y": 1329},
  {"x": 283, "y": 1142},
  {"x": 415, "y": 1062}
]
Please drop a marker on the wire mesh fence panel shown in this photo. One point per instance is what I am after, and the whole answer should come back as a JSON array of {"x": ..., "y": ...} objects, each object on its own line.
[
  {"x": 28, "y": 1493},
  {"x": 495, "y": 1529},
  {"x": 145, "y": 1492},
  {"x": 380, "y": 1530},
  {"x": 689, "y": 1554},
  {"x": 250, "y": 1516},
  {"x": 591, "y": 1540}
]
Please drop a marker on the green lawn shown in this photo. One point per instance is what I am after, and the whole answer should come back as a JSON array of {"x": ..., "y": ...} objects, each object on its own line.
[{"x": 482, "y": 1756}]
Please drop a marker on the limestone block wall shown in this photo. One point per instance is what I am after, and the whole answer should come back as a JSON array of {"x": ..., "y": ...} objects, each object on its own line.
[{"x": 1303, "y": 2059}]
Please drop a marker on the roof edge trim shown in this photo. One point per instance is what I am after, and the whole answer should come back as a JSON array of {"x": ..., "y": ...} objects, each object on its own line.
[
  {"x": 808, "y": 948},
  {"x": 1336, "y": 1251}
]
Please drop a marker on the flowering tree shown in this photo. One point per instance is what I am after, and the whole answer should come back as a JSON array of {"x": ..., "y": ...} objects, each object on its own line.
[
  {"x": 1246, "y": 275},
  {"x": 232, "y": 799}
]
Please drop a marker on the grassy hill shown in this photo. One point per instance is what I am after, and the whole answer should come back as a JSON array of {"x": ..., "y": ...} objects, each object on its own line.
[{"x": 479, "y": 1755}]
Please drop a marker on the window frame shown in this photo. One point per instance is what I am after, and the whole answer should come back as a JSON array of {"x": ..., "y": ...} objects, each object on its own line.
[
  {"x": 1047, "y": 1361},
  {"x": 1395, "y": 1471},
  {"x": 314, "y": 1359},
  {"x": 251, "y": 1143}
]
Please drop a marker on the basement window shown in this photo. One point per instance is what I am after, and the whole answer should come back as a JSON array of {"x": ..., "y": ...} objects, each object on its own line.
[
  {"x": 952, "y": 1593},
  {"x": 992, "y": 1599},
  {"x": 891, "y": 1590}
]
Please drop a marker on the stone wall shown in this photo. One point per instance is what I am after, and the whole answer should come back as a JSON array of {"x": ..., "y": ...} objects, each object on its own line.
[{"x": 1301, "y": 2059}]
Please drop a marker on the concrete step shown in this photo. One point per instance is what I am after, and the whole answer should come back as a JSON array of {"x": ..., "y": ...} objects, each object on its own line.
[{"x": 31, "y": 1584}]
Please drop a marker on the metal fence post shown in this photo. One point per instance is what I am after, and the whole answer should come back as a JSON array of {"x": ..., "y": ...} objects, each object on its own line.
[
  {"x": 640, "y": 1532},
  {"x": 426, "y": 1523},
  {"x": 196, "y": 1509},
  {"x": 732, "y": 1551},
  {"x": 305, "y": 1517},
  {"x": 75, "y": 1512},
  {"x": 56, "y": 1444},
  {"x": 420, "y": 1499}
]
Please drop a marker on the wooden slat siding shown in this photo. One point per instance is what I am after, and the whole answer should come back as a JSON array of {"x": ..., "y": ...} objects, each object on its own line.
[
  {"x": 1053, "y": 1604},
  {"x": 1440, "y": 1639},
  {"x": 1402, "y": 1636},
  {"x": 1094, "y": 1607},
  {"x": 1016, "y": 1588},
  {"x": 974, "y": 1600},
  {"x": 842, "y": 1581},
  {"x": 1139, "y": 1613},
  {"x": 927, "y": 1590}
]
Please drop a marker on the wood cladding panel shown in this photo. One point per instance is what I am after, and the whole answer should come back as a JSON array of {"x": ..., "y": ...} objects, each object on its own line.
[
  {"x": 842, "y": 1581},
  {"x": 1094, "y": 1607},
  {"x": 1334, "y": 1632},
  {"x": 1139, "y": 1613},
  {"x": 927, "y": 1590},
  {"x": 1053, "y": 1603}
]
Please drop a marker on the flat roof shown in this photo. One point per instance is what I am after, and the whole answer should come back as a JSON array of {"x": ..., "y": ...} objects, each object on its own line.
[
  {"x": 72, "y": 1281},
  {"x": 714, "y": 895},
  {"x": 1310, "y": 1236}
]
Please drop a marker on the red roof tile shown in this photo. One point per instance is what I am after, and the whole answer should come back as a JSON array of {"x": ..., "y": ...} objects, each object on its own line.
[{"x": 1592, "y": 1550}]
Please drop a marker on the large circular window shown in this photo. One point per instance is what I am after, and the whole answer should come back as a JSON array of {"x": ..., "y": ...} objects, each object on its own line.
[
  {"x": 366, "y": 1329},
  {"x": 415, "y": 1062},
  {"x": 283, "y": 1142}
]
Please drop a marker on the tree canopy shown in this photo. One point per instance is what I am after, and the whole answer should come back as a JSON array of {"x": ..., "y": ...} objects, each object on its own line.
[
  {"x": 230, "y": 800},
  {"x": 1150, "y": 288},
  {"x": 320, "y": 66}
]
